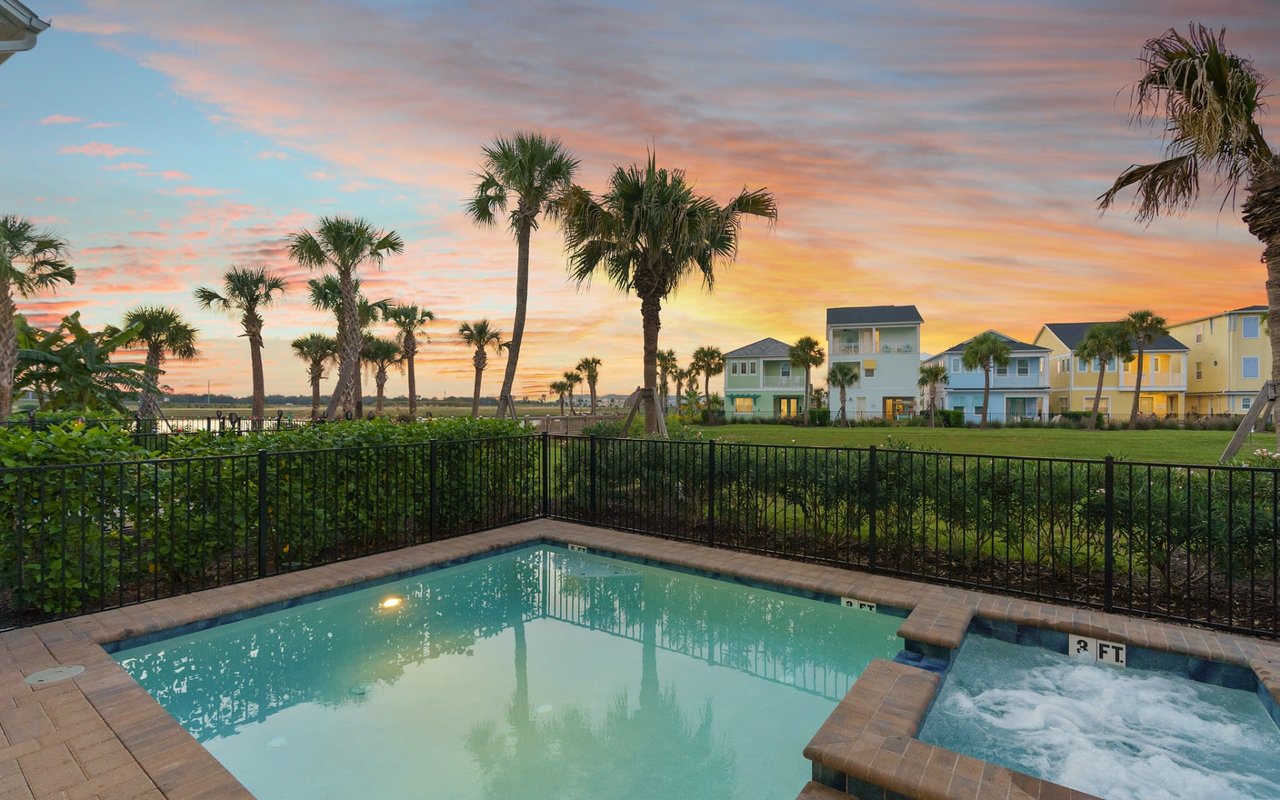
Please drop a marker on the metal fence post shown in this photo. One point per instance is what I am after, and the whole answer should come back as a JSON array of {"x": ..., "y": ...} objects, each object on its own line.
[
  {"x": 594, "y": 466},
  {"x": 31, "y": 419},
  {"x": 1108, "y": 532},
  {"x": 262, "y": 513},
  {"x": 711, "y": 493},
  {"x": 873, "y": 503},
  {"x": 433, "y": 516},
  {"x": 546, "y": 473}
]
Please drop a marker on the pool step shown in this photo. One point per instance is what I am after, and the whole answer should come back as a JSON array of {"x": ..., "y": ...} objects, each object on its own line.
[{"x": 816, "y": 791}]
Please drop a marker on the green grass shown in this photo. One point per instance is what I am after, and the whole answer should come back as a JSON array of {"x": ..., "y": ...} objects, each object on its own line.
[
  {"x": 178, "y": 411},
  {"x": 1168, "y": 446}
]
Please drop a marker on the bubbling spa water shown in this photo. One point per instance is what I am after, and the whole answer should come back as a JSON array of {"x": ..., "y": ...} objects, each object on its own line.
[{"x": 1121, "y": 734}]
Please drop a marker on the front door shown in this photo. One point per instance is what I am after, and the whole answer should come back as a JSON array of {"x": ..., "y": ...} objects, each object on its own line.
[{"x": 788, "y": 407}]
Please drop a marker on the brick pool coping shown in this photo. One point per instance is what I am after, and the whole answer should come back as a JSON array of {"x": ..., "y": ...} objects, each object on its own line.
[{"x": 101, "y": 735}]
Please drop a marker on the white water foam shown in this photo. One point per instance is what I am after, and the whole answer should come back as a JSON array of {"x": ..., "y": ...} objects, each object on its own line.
[{"x": 1121, "y": 734}]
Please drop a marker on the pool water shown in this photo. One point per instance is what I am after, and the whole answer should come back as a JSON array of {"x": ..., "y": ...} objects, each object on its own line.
[
  {"x": 1120, "y": 734},
  {"x": 538, "y": 673}
]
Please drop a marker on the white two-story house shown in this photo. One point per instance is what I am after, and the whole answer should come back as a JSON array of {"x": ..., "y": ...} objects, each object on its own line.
[{"x": 882, "y": 343}]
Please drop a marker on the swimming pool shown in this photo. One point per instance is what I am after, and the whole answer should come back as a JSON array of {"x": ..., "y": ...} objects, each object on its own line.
[
  {"x": 538, "y": 673},
  {"x": 1118, "y": 733}
]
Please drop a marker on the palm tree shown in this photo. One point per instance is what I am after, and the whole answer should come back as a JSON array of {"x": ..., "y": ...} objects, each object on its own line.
[
  {"x": 1144, "y": 327},
  {"x": 986, "y": 351},
  {"x": 344, "y": 245},
  {"x": 246, "y": 290},
  {"x": 1211, "y": 100},
  {"x": 932, "y": 377},
  {"x": 709, "y": 362},
  {"x": 1104, "y": 342},
  {"x": 572, "y": 379},
  {"x": 589, "y": 368},
  {"x": 163, "y": 332},
  {"x": 667, "y": 365},
  {"x": 560, "y": 389},
  {"x": 409, "y": 320},
  {"x": 681, "y": 377},
  {"x": 381, "y": 354},
  {"x": 647, "y": 233},
  {"x": 31, "y": 261},
  {"x": 841, "y": 376},
  {"x": 326, "y": 295},
  {"x": 533, "y": 171},
  {"x": 807, "y": 354},
  {"x": 481, "y": 335},
  {"x": 318, "y": 351},
  {"x": 73, "y": 368}
]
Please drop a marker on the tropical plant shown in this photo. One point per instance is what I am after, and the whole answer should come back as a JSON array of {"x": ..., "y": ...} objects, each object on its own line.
[
  {"x": 709, "y": 362},
  {"x": 531, "y": 172},
  {"x": 72, "y": 368},
  {"x": 806, "y": 353},
  {"x": 687, "y": 376},
  {"x": 560, "y": 389},
  {"x": 589, "y": 369},
  {"x": 1104, "y": 343},
  {"x": 318, "y": 351},
  {"x": 647, "y": 232},
  {"x": 932, "y": 378},
  {"x": 1212, "y": 101},
  {"x": 344, "y": 245},
  {"x": 841, "y": 376},
  {"x": 245, "y": 291},
  {"x": 572, "y": 379},
  {"x": 667, "y": 365},
  {"x": 381, "y": 354},
  {"x": 326, "y": 295},
  {"x": 482, "y": 336},
  {"x": 986, "y": 351},
  {"x": 1144, "y": 327},
  {"x": 163, "y": 332},
  {"x": 31, "y": 261},
  {"x": 409, "y": 320}
]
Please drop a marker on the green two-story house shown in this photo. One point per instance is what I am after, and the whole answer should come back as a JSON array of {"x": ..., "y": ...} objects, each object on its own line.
[{"x": 760, "y": 383}]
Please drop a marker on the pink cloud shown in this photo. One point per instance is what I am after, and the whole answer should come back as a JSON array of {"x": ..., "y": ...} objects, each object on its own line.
[
  {"x": 194, "y": 191},
  {"x": 93, "y": 126},
  {"x": 60, "y": 119},
  {"x": 271, "y": 155},
  {"x": 124, "y": 166},
  {"x": 100, "y": 150},
  {"x": 320, "y": 175}
]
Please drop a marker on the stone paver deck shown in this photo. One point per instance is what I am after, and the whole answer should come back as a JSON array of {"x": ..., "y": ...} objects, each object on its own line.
[{"x": 101, "y": 735}]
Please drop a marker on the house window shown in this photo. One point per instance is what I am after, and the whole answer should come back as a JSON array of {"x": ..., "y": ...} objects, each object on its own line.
[
  {"x": 1002, "y": 370},
  {"x": 743, "y": 405},
  {"x": 1062, "y": 404},
  {"x": 957, "y": 365},
  {"x": 733, "y": 367},
  {"x": 1082, "y": 365},
  {"x": 869, "y": 372},
  {"x": 1199, "y": 334},
  {"x": 1024, "y": 366},
  {"x": 1155, "y": 363},
  {"x": 978, "y": 410},
  {"x": 1199, "y": 370},
  {"x": 753, "y": 367},
  {"x": 1246, "y": 403},
  {"x": 1250, "y": 367},
  {"x": 785, "y": 369},
  {"x": 1064, "y": 366},
  {"x": 1250, "y": 329}
]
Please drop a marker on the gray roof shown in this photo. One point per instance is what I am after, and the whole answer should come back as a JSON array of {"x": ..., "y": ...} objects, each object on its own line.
[
  {"x": 1070, "y": 334},
  {"x": 874, "y": 315},
  {"x": 765, "y": 348},
  {"x": 1248, "y": 309},
  {"x": 1014, "y": 345}
]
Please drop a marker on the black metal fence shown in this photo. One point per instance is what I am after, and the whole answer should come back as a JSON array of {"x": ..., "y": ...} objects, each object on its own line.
[{"x": 1192, "y": 543}]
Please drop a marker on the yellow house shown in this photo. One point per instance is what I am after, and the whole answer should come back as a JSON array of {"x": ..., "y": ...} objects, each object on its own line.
[
  {"x": 1073, "y": 381},
  {"x": 1229, "y": 360}
]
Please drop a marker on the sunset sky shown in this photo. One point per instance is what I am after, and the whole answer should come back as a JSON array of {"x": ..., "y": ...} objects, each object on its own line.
[{"x": 933, "y": 152}]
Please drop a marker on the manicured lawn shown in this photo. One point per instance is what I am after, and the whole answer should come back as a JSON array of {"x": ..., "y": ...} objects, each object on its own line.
[{"x": 1169, "y": 446}]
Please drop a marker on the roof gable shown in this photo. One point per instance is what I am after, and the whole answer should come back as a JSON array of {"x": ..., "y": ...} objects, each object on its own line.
[
  {"x": 1014, "y": 345},
  {"x": 765, "y": 348},
  {"x": 1070, "y": 334},
  {"x": 874, "y": 315}
]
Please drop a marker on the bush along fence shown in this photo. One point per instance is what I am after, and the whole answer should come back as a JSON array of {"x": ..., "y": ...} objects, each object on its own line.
[{"x": 1190, "y": 543}]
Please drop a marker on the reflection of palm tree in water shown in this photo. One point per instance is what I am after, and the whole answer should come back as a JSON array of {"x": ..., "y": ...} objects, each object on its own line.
[{"x": 651, "y": 751}]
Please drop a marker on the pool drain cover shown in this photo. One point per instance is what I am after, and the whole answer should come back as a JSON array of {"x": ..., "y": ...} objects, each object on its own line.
[{"x": 54, "y": 675}]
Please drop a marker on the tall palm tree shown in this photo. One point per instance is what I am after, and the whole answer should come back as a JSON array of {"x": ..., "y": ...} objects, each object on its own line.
[
  {"x": 163, "y": 332},
  {"x": 572, "y": 379},
  {"x": 589, "y": 369},
  {"x": 647, "y": 232},
  {"x": 482, "y": 336},
  {"x": 560, "y": 389},
  {"x": 1104, "y": 342},
  {"x": 380, "y": 354},
  {"x": 681, "y": 376},
  {"x": 806, "y": 353},
  {"x": 345, "y": 245},
  {"x": 709, "y": 362},
  {"x": 841, "y": 376},
  {"x": 1145, "y": 327},
  {"x": 409, "y": 320},
  {"x": 1212, "y": 101},
  {"x": 31, "y": 261},
  {"x": 986, "y": 351},
  {"x": 246, "y": 290},
  {"x": 318, "y": 351},
  {"x": 933, "y": 377},
  {"x": 531, "y": 172},
  {"x": 667, "y": 364},
  {"x": 326, "y": 295}
]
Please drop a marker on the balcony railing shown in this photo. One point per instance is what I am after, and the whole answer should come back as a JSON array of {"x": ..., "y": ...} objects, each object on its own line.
[
  {"x": 784, "y": 382},
  {"x": 855, "y": 349}
]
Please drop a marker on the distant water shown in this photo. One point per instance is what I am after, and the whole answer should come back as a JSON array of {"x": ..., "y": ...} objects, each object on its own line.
[{"x": 1121, "y": 734}]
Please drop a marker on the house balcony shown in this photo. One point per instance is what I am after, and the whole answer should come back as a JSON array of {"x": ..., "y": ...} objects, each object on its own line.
[
  {"x": 886, "y": 348},
  {"x": 1174, "y": 381},
  {"x": 781, "y": 382}
]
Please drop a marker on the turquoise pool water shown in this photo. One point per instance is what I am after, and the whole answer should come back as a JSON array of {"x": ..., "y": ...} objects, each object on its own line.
[
  {"x": 1121, "y": 734},
  {"x": 539, "y": 673}
]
